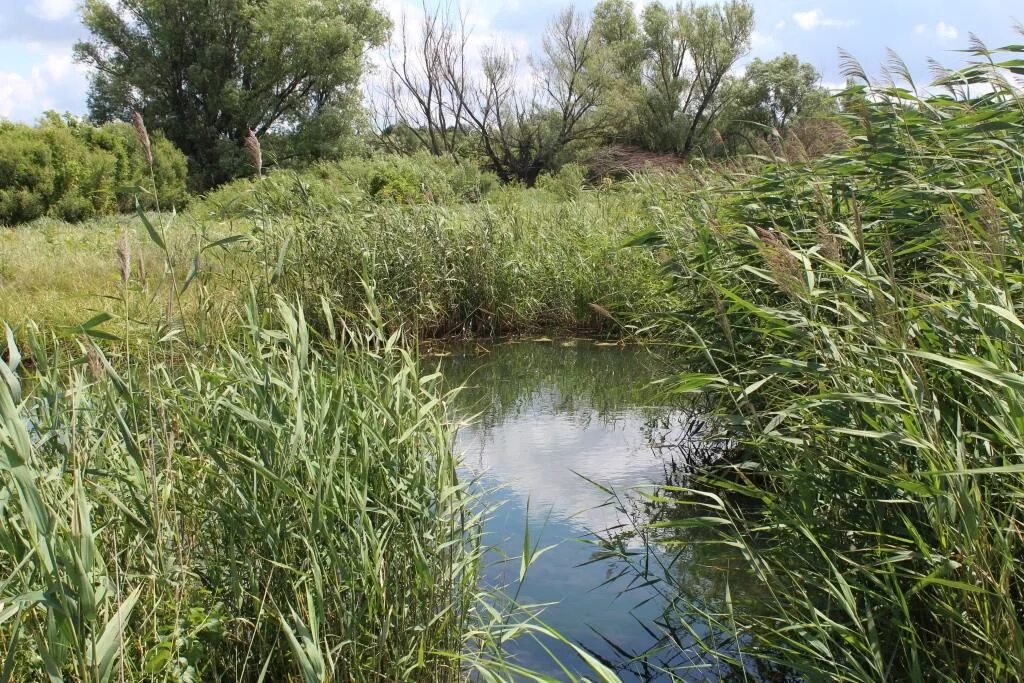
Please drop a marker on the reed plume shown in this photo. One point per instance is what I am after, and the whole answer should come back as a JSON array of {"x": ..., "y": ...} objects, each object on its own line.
[
  {"x": 124, "y": 258},
  {"x": 252, "y": 148},
  {"x": 143, "y": 135}
]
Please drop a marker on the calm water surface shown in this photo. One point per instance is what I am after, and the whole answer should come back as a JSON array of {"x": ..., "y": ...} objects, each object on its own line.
[{"x": 541, "y": 419}]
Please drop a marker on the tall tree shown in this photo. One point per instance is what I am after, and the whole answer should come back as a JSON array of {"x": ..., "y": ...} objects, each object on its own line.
[
  {"x": 521, "y": 122},
  {"x": 773, "y": 94},
  {"x": 208, "y": 71},
  {"x": 428, "y": 76},
  {"x": 690, "y": 51},
  {"x": 620, "y": 61}
]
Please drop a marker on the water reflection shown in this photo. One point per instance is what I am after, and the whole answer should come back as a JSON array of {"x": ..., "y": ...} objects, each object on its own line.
[{"x": 546, "y": 418}]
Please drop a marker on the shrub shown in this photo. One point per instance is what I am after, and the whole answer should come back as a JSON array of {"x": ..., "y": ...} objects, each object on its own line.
[
  {"x": 66, "y": 169},
  {"x": 334, "y": 186}
]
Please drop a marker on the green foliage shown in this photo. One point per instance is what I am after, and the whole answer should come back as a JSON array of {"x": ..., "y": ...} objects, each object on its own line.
[
  {"x": 72, "y": 171},
  {"x": 690, "y": 50},
  {"x": 207, "y": 73},
  {"x": 354, "y": 184},
  {"x": 284, "y": 507},
  {"x": 769, "y": 99},
  {"x": 858, "y": 318},
  {"x": 522, "y": 259}
]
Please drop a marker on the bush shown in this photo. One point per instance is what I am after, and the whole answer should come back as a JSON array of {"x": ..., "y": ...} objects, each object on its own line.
[
  {"x": 334, "y": 186},
  {"x": 69, "y": 170}
]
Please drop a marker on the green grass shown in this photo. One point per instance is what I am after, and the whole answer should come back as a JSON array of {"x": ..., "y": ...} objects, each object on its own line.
[
  {"x": 512, "y": 265},
  {"x": 60, "y": 275},
  {"x": 858, "y": 318},
  {"x": 285, "y": 505}
]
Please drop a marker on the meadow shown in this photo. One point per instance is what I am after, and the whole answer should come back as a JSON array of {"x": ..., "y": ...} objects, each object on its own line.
[{"x": 240, "y": 470}]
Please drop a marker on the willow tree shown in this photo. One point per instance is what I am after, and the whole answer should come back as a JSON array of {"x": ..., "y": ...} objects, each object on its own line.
[
  {"x": 208, "y": 71},
  {"x": 690, "y": 51}
]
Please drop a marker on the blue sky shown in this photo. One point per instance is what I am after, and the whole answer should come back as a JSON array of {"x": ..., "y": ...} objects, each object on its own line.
[{"x": 37, "y": 71}]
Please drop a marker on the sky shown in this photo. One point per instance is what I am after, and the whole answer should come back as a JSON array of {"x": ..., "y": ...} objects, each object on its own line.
[{"x": 38, "y": 71}]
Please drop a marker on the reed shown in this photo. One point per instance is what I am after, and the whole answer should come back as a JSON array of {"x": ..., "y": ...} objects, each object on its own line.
[
  {"x": 866, "y": 355},
  {"x": 286, "y": 507}
]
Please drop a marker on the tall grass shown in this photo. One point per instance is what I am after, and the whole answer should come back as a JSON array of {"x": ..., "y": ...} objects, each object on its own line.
[
  {"x": 520, "y": 261},
  {"x": 286, "y": 508},
  {"x": 859, "y": 317}
]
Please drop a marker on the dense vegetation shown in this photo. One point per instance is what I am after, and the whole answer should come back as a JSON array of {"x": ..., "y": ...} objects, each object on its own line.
[
  {"x": 858, "y": 318},
  {"x": 288, "y": 504},
  {"x": 65, "y": 169},
  {"x": 226, "y": 462}
]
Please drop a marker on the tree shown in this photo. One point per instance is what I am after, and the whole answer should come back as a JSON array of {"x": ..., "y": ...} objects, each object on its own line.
[
  {"x": 525, "y": 128},
  {"x": 621, "y": 61},
  {"x": 206, "y": 71},
  {"x": 522, "y": 123},
  {"x": 772, "y": 95},
  {"x": 690, "y": 51},
  {"x": 426, "y": 93}
]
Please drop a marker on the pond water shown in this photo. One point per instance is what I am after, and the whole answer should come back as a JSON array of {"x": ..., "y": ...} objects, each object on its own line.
[{"x": 541, "y": 419}]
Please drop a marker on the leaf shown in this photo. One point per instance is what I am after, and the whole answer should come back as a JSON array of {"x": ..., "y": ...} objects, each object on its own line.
[
  {"x": 224, "y": 242},
  {"x": 108, "y": 647},
  {"x": 13, "y": 354},
  {"x": 89, "y": 327},
  {"x": 153, "y": 234},
  {"x": 193, "y": 271}
]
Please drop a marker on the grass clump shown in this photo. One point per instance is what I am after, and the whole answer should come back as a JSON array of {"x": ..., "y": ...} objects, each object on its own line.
[
  {"x": 286, "y": 507},
  {"x": 520, "y": 261},
  {"x": 859, "y": 317}
]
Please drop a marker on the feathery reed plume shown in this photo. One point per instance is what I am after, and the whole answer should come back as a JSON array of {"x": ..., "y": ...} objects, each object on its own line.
[
  {"x": 828, "y": 242},
  {"x": 143, "y": 135},
  {"x": 124, "y": 258},
  {"x": 783, "y": 265},
  {"x": 92, "y": 361},
  {"x": 601, "y": 311},
  {"x": 252, "y": 148}
]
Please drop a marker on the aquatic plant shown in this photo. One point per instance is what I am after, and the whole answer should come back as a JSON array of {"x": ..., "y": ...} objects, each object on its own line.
[
  {"x": 285, "y": 507},
  {"x": 859, "y": 317}
]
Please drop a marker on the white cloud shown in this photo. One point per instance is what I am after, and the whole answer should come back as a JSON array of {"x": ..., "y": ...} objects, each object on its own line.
[
  {"x": 815, "y": 18},
  {"x": 780, "y": 25},
  {"x": 920, "y": 29},
  {"x": 761, "y": 41},
  {"x": 14, "y": 88},
  {"x": 53, "y": 10},
  {"x": 55, "y": 82},
  {"x": 946, "y": 32}
]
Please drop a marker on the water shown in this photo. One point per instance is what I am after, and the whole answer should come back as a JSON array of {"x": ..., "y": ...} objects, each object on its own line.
[{"x": 545, "y": 417}]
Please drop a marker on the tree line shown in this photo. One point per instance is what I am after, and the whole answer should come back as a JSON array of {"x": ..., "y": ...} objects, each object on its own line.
[{"x": 209, "y": 72}]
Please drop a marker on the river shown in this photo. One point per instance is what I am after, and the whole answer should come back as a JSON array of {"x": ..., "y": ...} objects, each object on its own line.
[{"x": 567, "y": 437}]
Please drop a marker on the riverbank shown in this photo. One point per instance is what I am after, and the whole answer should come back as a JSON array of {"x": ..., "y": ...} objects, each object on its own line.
[{"x": 854, "y": 321}]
